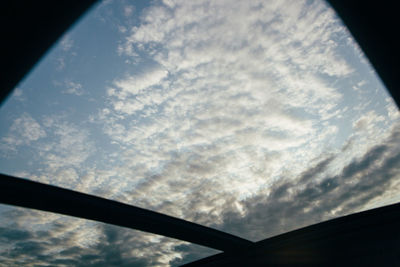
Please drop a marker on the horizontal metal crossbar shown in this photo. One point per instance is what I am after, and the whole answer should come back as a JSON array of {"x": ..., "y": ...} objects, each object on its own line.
[{"x": 34, "y": 195}]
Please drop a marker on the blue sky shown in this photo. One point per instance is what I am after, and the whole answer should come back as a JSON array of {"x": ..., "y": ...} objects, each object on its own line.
[{"x": 253, "y": 117}]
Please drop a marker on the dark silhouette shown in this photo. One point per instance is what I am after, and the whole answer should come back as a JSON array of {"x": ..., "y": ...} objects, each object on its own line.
[
  {"x": 374, "y": 25},
  {"x": 368, "y": 238}
]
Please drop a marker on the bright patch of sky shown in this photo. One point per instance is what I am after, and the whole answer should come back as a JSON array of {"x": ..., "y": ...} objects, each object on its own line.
[{"x": 253, "y": 117}]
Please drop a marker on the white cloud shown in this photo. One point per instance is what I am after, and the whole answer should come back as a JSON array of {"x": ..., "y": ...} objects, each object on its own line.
[
  {"x": 128, "y": 10},
  {"x": 61, "y": 149},
  {"x": 23, "y": 131},
  {"x": 18, "y": 94},
  {"x": 66, "y": 43},
  {"x": 368, "y": 122},
  {"x": 224, "y": 97},
  {"x": 60, "y": 63},
  {"x": 73, "y": 88},
  {"x": 70, "y": 146},
  {"x": 135, "y": 84},
  {"x": 27, "y": 128}
]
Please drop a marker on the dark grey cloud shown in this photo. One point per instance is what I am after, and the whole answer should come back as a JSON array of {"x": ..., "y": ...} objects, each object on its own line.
[
  {"x": 307, "y": 200},
  {"x": 13, "y": 234},
  {"x": 31, "y": 249}
]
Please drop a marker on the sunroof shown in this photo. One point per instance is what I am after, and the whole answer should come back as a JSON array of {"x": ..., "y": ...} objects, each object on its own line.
[{"x": 251, "y": 117}]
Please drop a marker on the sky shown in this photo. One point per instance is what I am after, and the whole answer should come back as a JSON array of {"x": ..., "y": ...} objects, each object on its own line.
[{"x": 251, "y": 117}]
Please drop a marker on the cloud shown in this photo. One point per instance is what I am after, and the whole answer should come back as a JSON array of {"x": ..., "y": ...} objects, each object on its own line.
[
  {"x": 61, "y": 149},
  {"x": 128, "y": 10},
  {"x": 18, "y": 94},
  {"x": 214, "y": 74},
  {"x": 66, "y": 48},
  {"x": 308, "y": 199},
  {"x": 66, "y": 43},
  {"x": 60, "y": 62},
  {"x": 58, "y": 245},
  {"x": 73, "y": 88},
  {"x": 234, "y": 101},
  {"x": 23, "y": 131},
  {"x": 71, "y": 145},
  {"x": 7, "y": 235},
  {"x": 27, "y": 128},
  {"x": 135, "y": 84},
  {"x": 367, "y": 121},
  {"x": 62, "y": 158},
  {"x": 220, "y": 103}
]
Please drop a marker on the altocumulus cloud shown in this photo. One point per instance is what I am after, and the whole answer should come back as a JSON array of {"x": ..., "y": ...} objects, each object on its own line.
[
  {"x": 23, "y": 130},
  {"x": 214, "y": 113}
]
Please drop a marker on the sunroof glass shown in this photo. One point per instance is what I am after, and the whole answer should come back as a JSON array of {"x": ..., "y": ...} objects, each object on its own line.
[{"x": 252, "y": 117}]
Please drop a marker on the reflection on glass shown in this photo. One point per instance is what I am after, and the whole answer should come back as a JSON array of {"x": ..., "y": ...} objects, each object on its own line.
[{"x": 253, "y": 117}]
